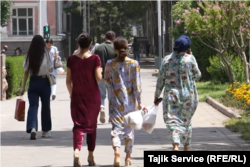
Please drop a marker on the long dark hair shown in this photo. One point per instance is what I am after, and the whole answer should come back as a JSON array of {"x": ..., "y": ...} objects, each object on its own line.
[{"x": 35, "y": 54}]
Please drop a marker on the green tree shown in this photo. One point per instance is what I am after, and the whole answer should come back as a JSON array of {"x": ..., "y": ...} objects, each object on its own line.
[
  {"x": 224, "y": 25},
  {"x": 106, "y": 14},
  {"x": 200, "y": 51},
  {"x": 5, "y": 12}
]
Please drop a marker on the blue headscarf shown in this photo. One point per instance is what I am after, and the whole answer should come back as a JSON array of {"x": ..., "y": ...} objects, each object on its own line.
[{"x": 182, "y": 44}]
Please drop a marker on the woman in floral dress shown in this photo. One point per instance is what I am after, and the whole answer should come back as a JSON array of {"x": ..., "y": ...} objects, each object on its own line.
[
  {"x": 178, "y": 73},
  {"x": 122, "y": 76}
]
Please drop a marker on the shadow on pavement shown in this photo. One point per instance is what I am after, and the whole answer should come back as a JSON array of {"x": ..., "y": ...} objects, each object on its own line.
[
  {"x": 147, "y": 63},
  {"x": 207, "y": 138}
]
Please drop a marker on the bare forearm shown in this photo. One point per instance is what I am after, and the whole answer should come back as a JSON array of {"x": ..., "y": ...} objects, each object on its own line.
[
  {"x": 26, "y": 75},
  {"x": 98, "y": 74},
  {"x": 69, "y": 87}
]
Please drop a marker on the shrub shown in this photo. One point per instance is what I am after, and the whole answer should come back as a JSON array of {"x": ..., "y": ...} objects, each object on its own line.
[
  {"x": 202, "y": 54},
  {"x": 218, "y": 73},
  {"x": 64, "y": 65},
  {"x": 241, "y": 92},
  {"x": 15, "y": 73}
]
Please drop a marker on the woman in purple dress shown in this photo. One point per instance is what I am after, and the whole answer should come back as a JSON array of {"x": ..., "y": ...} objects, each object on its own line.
[{"x": 83, "y": 72}]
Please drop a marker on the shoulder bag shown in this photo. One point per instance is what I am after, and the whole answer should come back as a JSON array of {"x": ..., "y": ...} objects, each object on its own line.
[{"x": 58, "y": 63}]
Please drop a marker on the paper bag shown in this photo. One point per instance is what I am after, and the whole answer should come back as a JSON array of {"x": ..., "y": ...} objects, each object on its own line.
[{"x": 20, "y": 110}]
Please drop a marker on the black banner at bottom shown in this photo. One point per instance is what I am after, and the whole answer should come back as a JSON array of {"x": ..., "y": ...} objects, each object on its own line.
[{"x": 163, "y": 158}]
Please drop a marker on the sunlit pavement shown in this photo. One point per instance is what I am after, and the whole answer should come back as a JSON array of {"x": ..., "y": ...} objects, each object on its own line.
[{"x": 17, "y": 150}]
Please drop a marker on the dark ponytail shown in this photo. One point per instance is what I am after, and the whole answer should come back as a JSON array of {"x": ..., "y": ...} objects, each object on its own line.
[
  {"x": 121, "y": 44},
  {"x": 84, "y": 40}
]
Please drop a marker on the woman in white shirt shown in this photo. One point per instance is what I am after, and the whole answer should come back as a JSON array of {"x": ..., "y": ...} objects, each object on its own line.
[
  {"x": 53, "y": 52},
  {"x": 38, "y": 64}
]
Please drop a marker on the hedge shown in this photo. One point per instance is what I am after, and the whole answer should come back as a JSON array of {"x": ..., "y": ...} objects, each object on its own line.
[{"x": 15, "y": 73}]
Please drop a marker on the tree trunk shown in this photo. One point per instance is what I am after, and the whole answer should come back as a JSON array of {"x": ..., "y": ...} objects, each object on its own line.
[
  {"x": 98, "y": 33},
  {"x": 230, "y": 73},
  {"x": 246, "y": 68},
  {"x": 227, "y": 67}
]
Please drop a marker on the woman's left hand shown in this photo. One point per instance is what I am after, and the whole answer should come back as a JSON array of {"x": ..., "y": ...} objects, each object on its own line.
[
  {"x": 22, "y": 91},
  {"x": 139, "y": 106},
  {"x": 55, "y": 56},
  {"x": 145, "y": 110},
  {"x": 156, "y": 98}
]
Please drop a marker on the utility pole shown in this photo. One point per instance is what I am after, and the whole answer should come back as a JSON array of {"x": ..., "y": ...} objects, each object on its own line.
[
  {"x": 159, "y": 33},
  {"x": 172, "y": 25},
  {"x": 40, "y": 18},
  {"x": 89, "y": 17},
  {"x": 110, "y": 24},
  {"x": 147, "y": 18},
  {"x": 84, "y": 17},
  {"x": 163, "y": 33}
]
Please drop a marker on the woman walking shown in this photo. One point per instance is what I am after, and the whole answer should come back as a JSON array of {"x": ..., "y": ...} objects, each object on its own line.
[
  {"x": 83, "y": 72},
  {"x": 53, "y": 52},
  {"x": 38, "y": 64},
  {"x": 178, "y": 73},
  {"x": 122, "y": 76}
]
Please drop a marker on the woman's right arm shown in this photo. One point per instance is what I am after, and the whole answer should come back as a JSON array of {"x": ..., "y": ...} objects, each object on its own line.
[
  {"x": 98, "y": 70},
  {"x": 26, "y": 75},
  {"x": 68, "y": 81},
  {"x": 160, "y": 81},
  {"x": 68, "y": 78},
  {"x": 107, "y": 75},
  {"x": 195, "y": 69},
  {"x": 98, "y": 74},
  {"x": 107, "y": 78}
]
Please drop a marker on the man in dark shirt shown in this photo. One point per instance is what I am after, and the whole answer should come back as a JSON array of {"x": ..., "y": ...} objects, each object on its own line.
[
  {"x": 106, "y": 52},
  {"x": 136, "y": 50},
  {"x": 147, "y": 46}
]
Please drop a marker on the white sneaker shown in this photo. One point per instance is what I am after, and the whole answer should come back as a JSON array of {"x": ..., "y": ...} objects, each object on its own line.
[
  {"x": 33, "y": 134},
  {"x": 46, "y": 134},
  {"x": 102, "y": 115}
]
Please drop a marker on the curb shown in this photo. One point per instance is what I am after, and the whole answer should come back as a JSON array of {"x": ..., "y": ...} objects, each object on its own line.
[
  {"x": 223, "y": 109},
  {"x": 155, "y": 73},
  {"x": 62, "y": 73}
]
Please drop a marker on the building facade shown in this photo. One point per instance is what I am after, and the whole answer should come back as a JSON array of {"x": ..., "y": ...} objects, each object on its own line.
[{"x": 28, "y": 18}]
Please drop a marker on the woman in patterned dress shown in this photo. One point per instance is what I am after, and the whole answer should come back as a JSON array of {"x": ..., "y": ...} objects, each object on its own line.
[
  {"x": 178, "y": 74},
  {"x": 122, "y": 76}
]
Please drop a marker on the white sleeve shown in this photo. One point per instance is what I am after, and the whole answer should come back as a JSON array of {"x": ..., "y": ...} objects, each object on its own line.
[
  {"x": 25, "y": 65},
  {"x": 48, "y": 59}
]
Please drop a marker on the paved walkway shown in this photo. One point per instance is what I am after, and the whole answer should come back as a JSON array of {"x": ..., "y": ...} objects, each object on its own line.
[{"x": 17, "y": 150}]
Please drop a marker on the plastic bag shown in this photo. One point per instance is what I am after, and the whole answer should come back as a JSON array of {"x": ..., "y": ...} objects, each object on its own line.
[
  {"x": 149, "y": 119},
  {"x": 60, "y": 70},
  {"x": 134, "y": 119}
]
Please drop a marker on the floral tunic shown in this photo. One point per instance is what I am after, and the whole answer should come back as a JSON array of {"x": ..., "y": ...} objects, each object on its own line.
[
  {"x": 124, "y": 90},
  {"x": 180, "y": 98}
]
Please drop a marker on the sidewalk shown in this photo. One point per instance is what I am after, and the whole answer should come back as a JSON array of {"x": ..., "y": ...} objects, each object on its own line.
[{"x": 17, "y": 150}]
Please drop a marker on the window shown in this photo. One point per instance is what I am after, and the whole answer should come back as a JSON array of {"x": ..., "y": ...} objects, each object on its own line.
[{"x": 22, "y": 21}]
